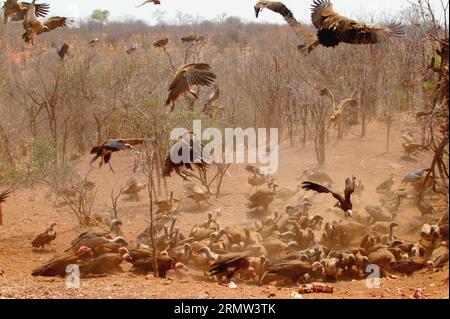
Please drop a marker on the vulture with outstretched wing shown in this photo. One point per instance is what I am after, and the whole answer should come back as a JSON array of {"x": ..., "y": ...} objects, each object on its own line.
[
  {"x": 187, "y": 153},
  {"x": 344, "y": 202},
  {"x": 155, "y": 2},
  {"x": 333, "y": 28},
  {"x": 186, "y": 77},
  {"x": 16, "y": 11},
  {"x": 33, "y": 26},
  {"x": 105, "y": 150}
]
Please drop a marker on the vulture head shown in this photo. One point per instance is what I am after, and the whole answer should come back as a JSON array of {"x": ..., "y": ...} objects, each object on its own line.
[
  {"x": 317, "y": 266},
  {"x": 259, "y": 6},
  {"x": 180, "y": 267},
  {"x": 85, "y": 251},
  {"x": 123, "y": 251},
  {"x": 349, "y": 213}
]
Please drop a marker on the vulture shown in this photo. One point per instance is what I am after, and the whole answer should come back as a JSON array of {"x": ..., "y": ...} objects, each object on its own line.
[
  {"x": 332, "y": 28},
  {"x": 133, "y": 189},
  {"x": 198, "y": 193},
  {"x": 105, "y": 150},
  {"x": 231, "y": 264},
  {"x": 186, "y": 77},
  {"x": 94, "y": 41},
  {"x": 33, "y": 26},
  {"x": 275, "y": 6},
  {"x": 381, "y": 256},
  {"x": 316, "y": 177},
  {"x": 103, "y": 264},
  {"x": 161, "y": 43},
  {"x": 416, "y": 176},
  {"x": 439, "y": 256},
  {"x": 16, "y": 11},
  {"x": 292, "y": 270},
  {"x": 193, "y": 38},
  {"x": 45, "y": 238},
  {"x": 94, "y": 242},
  {"x": 164, "y": 262},
  {"x": 262, "y": 198},
  {"x": 213, "y": 97},
  {"x": 99, "y": 232},
  {"x": 165, "y": 205},
  {"x": 409, "y": 265},
  {"x": 185, "y": 154},
  {"x": 344, "y": 202},
  {"x": 132, "y": 49},
  {"x": 63, "y": 51},
  {"x": 155, "y": 2},
  {"x": 58, "y": 265},
  {"x": 385, "y": 186},
  {"x": 340, "y": 108}
]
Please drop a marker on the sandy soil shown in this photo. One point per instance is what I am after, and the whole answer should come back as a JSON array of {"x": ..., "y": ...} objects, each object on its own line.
[{"x": 28, "y": 212}]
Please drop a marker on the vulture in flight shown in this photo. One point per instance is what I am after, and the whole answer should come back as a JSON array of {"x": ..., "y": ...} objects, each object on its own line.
[
  {"x": 344, "y": 202},
  {"x": 45, "y": 238},
  {"x": 16, "y": 11},
  {"x": 332, "y": 28},
  {"x": 63, "y": 51},
  {"x": 105, "y": 150},
  {"x": 33, "y": 26},
  {"x": 155, "y": 2},
  {"x": 185, "y": 154},
  {"x": 186, "y": 77}
]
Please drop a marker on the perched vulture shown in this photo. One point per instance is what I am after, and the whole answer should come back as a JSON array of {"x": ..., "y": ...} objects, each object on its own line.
[
  {"x": 186, "y": 77},
  {"x": 105, "y": 150},
  {"x": 344, "y": 202},
  {"x": 155, "y": 2},
  {"x": 16, "y": 11},
  {"x": 161, "y": 43},
  {"x": 230, "y": 265},
  {"x": 63, "y": 51},
  {"x": 185, "y": 154},
  {"x": 45, "y": 238},
  {"x": 193, "y": 38},
  {"x": 33, "y": 26},
  {"x": 57, "y": 266}
]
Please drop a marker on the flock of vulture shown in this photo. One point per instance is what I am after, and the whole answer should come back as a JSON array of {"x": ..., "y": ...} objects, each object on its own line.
[{"x": 287, "y": 247}]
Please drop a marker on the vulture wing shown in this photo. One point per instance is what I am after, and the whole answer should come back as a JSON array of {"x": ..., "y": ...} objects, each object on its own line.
[
  {"x": 349, "y": 31},
  {"x": 321, "y": 189},
  {"x": 55, "y": 22},
  {"x": 349, "y": 188}
]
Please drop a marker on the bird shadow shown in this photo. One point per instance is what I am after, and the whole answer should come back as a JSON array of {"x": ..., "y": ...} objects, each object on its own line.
[{"x": 43, "y": 251}]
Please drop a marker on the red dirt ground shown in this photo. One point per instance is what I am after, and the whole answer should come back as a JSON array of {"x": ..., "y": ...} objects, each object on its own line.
[{"x": 28, "y": 212}]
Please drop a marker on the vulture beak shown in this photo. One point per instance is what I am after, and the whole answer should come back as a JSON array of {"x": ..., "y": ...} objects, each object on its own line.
[{"x": 350, "y": 213}]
